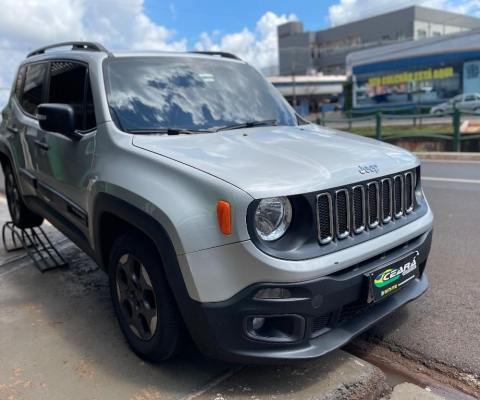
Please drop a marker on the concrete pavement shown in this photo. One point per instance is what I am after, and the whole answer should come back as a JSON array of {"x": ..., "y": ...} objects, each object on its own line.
[
  {"x": 409, "y": 391},
  {"x": 338, "y": 375}
]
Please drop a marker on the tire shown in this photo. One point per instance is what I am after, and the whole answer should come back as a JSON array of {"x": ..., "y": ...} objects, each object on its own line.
[
  {"x": 477, "y": 110},
  {"x": 22, "y": 217},
  {"x": 143, "y": 300},
  {"x": 438, "y": 112}
]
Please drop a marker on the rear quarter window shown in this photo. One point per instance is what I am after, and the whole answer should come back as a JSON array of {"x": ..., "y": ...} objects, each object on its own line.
[
  {"x": 33, "y": 88},
  {"x": 19, "y": 82}
]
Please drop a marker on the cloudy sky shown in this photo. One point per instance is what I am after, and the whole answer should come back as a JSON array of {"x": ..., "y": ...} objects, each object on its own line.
[{"x": 247, "y": 27}]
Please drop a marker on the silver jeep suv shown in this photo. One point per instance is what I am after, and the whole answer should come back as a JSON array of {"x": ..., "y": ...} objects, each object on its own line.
[{"x": 212, "y": 206}]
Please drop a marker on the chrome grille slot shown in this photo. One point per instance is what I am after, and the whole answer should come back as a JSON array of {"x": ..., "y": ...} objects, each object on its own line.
[
  {"x": 342, "y": 205},
  {"x": 398, "y": 195},
  {"x": 324, "y": 218},
  {"x": 358, "y": 208},
  {"x": 386, "y": 200},
  {"x": 373, "y": 205},
  {"x": 409, "y": 193}
]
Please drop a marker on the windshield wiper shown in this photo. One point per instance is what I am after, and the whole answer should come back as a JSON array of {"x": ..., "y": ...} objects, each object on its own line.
[
  {"x": 249, "y": 125},
  {"x": 169, "y": 131}
]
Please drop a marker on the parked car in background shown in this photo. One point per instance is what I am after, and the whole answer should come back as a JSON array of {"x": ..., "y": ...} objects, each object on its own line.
[{"x": 467, "y": 102}]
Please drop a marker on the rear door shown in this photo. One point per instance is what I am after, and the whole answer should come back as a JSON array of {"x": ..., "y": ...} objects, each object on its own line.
[
  {"x": 65, "y": 165},
  {"x": 22, "y": 127}
]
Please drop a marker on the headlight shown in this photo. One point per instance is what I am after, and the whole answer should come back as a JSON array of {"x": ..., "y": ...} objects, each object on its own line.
[{"x": 272, "y": 218}]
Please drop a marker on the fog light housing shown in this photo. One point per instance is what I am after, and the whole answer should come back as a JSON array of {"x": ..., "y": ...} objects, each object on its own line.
[
  {"x": 275, "y": 328},
  {"x": 273, "y": 293},
  {"x": 257, "y": 323}
]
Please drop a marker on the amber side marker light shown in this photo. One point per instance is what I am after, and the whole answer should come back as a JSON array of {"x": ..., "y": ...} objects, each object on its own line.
[{"x": 224, "y": 217}]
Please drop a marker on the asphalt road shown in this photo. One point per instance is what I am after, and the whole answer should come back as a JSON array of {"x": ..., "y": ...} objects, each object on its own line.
[{"x": 444, "y": 324}]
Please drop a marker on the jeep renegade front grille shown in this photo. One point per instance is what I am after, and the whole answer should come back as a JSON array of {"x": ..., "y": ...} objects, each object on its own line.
[{"x": 365, "y": 206}]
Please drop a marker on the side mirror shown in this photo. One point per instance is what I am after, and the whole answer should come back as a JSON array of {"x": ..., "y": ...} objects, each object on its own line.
[{"x": 59, "y": 118}]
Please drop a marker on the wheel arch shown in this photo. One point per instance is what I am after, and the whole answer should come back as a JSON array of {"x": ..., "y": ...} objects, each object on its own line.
[
  {"x": 109, "y": 213},
  {"x": 5, "y": 155}
]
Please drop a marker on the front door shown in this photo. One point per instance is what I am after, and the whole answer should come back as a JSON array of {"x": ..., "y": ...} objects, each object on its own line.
[{"x": 64, "y": 165}]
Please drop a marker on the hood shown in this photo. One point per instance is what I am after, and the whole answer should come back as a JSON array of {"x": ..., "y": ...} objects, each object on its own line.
[{"x": 275, "y": 161}]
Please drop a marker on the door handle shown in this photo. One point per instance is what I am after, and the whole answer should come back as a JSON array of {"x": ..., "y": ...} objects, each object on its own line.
[
  {"x": 42, "y": 145},
  {"x": 12, "y": 129}
]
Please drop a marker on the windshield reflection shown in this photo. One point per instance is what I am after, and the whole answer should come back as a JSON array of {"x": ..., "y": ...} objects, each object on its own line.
[{"x": 190, "y": 93}]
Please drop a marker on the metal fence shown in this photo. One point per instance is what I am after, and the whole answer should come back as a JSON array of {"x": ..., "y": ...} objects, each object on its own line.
[{"x": 381, "y": 115}]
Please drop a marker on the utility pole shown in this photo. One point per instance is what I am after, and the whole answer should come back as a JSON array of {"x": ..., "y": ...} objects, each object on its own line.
[{"x": 294, "y": 96}]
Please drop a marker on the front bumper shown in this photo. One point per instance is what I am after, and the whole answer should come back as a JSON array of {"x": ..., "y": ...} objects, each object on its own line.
[{"x": 333, "y": 309}]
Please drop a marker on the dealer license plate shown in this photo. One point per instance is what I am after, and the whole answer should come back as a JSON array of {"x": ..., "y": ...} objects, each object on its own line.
[{"x": 390, "y": 278}]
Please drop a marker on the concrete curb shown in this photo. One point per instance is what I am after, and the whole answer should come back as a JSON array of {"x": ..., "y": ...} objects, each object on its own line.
[
  {"x": 337, "y": 375},
  {"x": 408, "y": 391},
  {"x": 445, "y": 156}
]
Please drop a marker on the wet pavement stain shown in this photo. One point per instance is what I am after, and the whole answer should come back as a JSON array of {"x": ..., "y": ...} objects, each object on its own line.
[
  {"x": 83, "y": 370},
  {"x": 18, "y": 388},
  {"x": 30, "y": 307},
  {"x": 149, "y": 393}
]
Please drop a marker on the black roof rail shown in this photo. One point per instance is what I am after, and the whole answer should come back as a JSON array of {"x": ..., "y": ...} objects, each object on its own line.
[
  {"x": 218, "y": 53},
  {"x": 89, "y": 46}
]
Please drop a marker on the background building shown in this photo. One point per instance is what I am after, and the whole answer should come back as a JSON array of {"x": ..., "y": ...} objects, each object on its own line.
[
  {"x": 326, "y": 50},
  {"x": 426, "y": 72},
  {"x": 309, "y": 92}
]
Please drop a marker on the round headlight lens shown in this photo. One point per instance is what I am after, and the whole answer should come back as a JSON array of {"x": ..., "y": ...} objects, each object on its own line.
[{"x": 272, "y": 218}]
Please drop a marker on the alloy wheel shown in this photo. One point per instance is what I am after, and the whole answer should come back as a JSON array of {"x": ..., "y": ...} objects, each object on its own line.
[
  {"x": 13, "y": 197},
  {"x": 136, "y": 296}
]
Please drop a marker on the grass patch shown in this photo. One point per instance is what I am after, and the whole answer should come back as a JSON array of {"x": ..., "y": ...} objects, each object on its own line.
[{"x": 427, "y": 129}]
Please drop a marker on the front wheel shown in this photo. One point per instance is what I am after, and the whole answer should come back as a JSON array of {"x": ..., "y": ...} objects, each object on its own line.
[
  {"x": 477, "y": 110},
  {"x": 143, "y": 300},
  {"x": 22, "y": 217}
]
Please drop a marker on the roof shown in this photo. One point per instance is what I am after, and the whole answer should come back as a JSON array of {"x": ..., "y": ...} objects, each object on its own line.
[{"x": 307, "y": 78}]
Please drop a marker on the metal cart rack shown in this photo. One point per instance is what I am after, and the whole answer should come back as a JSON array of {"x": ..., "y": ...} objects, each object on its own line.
[{"x": 37, "y": 245}]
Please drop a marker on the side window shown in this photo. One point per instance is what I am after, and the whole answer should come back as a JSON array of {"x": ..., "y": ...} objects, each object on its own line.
[
  {"x": 67, "y": 86},
  {"x": 33, "y": 88},
  {"x": 18, "y": 83},
  {"x": 470, "y": 97}
]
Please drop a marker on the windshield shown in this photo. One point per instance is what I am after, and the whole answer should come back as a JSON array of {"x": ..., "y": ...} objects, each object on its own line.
[{"x": 190, "y": 93}]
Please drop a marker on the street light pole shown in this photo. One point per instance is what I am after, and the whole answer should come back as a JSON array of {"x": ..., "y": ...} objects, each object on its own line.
[{"x": 294, "y": 99}]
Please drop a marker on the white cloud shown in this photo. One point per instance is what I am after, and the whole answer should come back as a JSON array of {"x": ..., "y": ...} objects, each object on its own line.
[
  {"x": 352, "y": 10},
  {"x": 29, "y": 24},
  {"x": 258, "y": 47}
]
